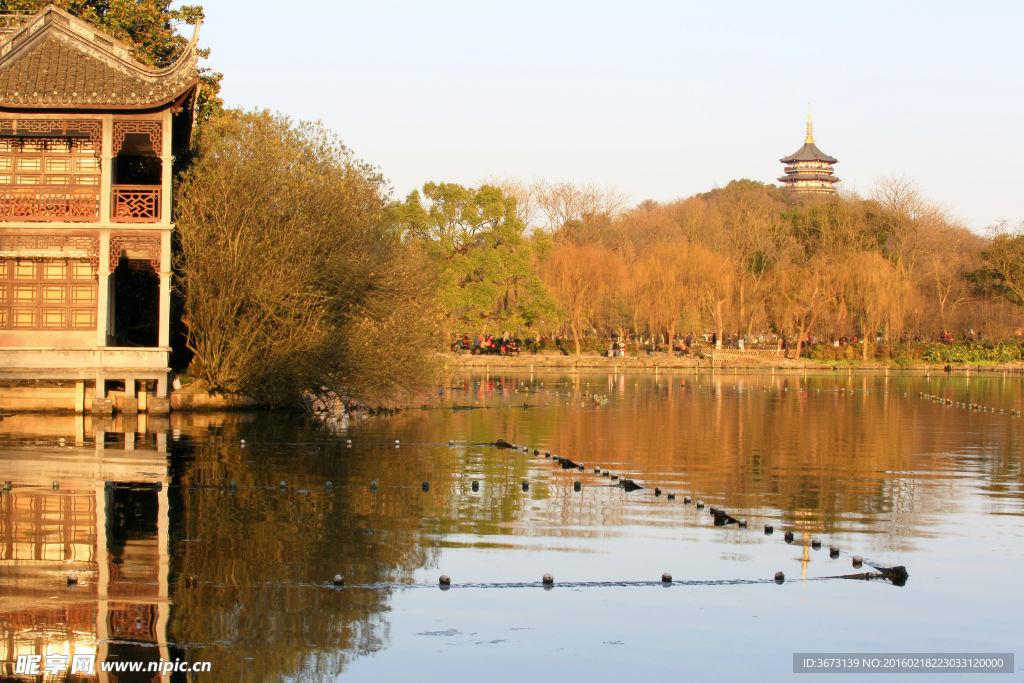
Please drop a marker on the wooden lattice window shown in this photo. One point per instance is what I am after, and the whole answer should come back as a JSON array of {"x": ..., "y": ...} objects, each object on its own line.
[
  {"x": 47, "y": 294},
  {"x": 46, "y": 179},
  {"x": 49, "y": 161}
]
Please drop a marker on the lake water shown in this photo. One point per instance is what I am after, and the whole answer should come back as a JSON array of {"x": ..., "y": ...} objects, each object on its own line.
[{"x": 194, "y": 545}]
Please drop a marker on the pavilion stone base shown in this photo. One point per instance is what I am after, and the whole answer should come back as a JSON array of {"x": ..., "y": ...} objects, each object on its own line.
[{"x": 94, "y": 380}]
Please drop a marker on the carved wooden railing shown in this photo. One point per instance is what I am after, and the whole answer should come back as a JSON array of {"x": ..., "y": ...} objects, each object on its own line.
[
  {"x": 66, "y": 203},
  {"x": 136, "y": 204}
]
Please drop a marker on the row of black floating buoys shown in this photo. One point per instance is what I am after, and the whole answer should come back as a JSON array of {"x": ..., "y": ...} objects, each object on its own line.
[
  {"x": 973, "y": 407},
  {"x": 721, "y": 518}
]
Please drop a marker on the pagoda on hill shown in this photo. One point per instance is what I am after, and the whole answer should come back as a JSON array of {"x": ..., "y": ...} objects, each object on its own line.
[{"x": 809, "y": 170}]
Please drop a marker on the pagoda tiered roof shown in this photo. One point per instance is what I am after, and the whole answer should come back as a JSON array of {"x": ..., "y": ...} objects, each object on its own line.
[
  {"x": 55, "y": 60},
  {"x": 809, "y": 152}
]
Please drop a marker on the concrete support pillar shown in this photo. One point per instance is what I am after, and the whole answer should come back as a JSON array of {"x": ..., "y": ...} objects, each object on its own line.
[
  {"x": 143, "y": 399},
  {"x": 79, "y": 397},
  {"x": 101, "y": 386}
]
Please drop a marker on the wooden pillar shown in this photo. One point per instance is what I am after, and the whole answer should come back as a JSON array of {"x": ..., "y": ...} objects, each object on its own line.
[
  {"x": 106, "y": 168},
  {"x": 164, "y": 329},
  {"x": 166, "y": 167},
  {"x": 103, "y": 290}
]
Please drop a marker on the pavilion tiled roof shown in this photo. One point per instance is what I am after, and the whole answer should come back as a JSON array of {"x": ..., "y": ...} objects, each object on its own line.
[{"x": 56, "y": 60}]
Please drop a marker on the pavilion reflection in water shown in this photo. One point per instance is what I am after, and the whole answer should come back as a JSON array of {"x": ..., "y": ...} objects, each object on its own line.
[{"x": 114, "y": 534}]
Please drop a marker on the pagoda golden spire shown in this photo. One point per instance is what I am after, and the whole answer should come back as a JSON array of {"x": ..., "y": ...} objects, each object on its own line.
[{"x": 810, "y": 127}]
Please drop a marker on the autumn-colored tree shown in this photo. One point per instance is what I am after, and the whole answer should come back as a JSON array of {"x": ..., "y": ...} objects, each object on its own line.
[
  {"x": 299, "y": 284},
  {"x": 1003, "y": 259},
  {"x": 581, "y": 278}
]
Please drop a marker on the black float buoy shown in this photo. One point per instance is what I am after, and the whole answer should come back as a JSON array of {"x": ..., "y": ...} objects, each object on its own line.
[
  {"x": 426, "y": 486},
  {"x": 857, "y": 560},
  {"x": 700, "y": 504},
  {"x": 743, "y": 523},
  {"x": 687, "y": 500},
  {"x": 191, "y": 581},
  {"x": 72, "y": 577},
  {"x": 780, "y": 578},
  {"x": 56, "y": 485},
  {"x": 373, "y": 485},
  {"x": 282, "y": 484},
  {"x": 445, "y": 580},
  {"x": 788, "y": 537},
  {"x": 597, "y": 470},
  {"x": 233, "y": 485},
  {"x": 577, "y": 486},
  {"x": 329, "y": 485},
  {"x": 475, "y": 486},
  {"x": 769, "y": 530},
  {"x": 526, "y": 485},
  {"x": 815, "y": 543},
  {"x": 547, "y": 580},
  {"x": 833, "y": 551},
  {"x": 657, "y": 491},
  {"x": 670, "y": 496},
  {"x": 606, "y": 473},
  {"x": 666, "y": 578},
  {"x": 339, "y": 580}
]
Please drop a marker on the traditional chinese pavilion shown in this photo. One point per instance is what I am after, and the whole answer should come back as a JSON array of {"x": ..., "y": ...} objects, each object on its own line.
[
  {"x": 809, "y": 170},
  {"x": 88, "y": 135}
]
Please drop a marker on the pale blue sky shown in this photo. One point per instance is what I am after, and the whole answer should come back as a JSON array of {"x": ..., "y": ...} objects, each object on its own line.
[{"x": 657, "y": 100}]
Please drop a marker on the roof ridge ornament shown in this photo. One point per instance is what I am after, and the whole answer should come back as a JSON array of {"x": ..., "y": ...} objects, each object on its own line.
[{"x": 810, "y": 127}]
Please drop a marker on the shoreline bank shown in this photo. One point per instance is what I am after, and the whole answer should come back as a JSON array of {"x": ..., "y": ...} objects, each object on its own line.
[{"x": 728, "y": 360}]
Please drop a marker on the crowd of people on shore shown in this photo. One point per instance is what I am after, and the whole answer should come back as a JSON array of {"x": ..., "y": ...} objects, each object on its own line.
[
  {"x": 508, "y": 345},
  {"x": 482, "y": 344}
]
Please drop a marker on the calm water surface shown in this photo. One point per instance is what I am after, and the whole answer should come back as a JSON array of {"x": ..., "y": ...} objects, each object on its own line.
[{"x": 205, "y": 547}]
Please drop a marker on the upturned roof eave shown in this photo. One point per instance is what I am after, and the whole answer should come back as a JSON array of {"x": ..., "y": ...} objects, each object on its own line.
[{"x": 180, "y": 70}]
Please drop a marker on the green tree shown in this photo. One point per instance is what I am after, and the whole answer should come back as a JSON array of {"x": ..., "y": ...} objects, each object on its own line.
[
  {"x": 292, "y": 280},
  {"x": 146, "y": 25},
  {"x": 484, "y": 266}
]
